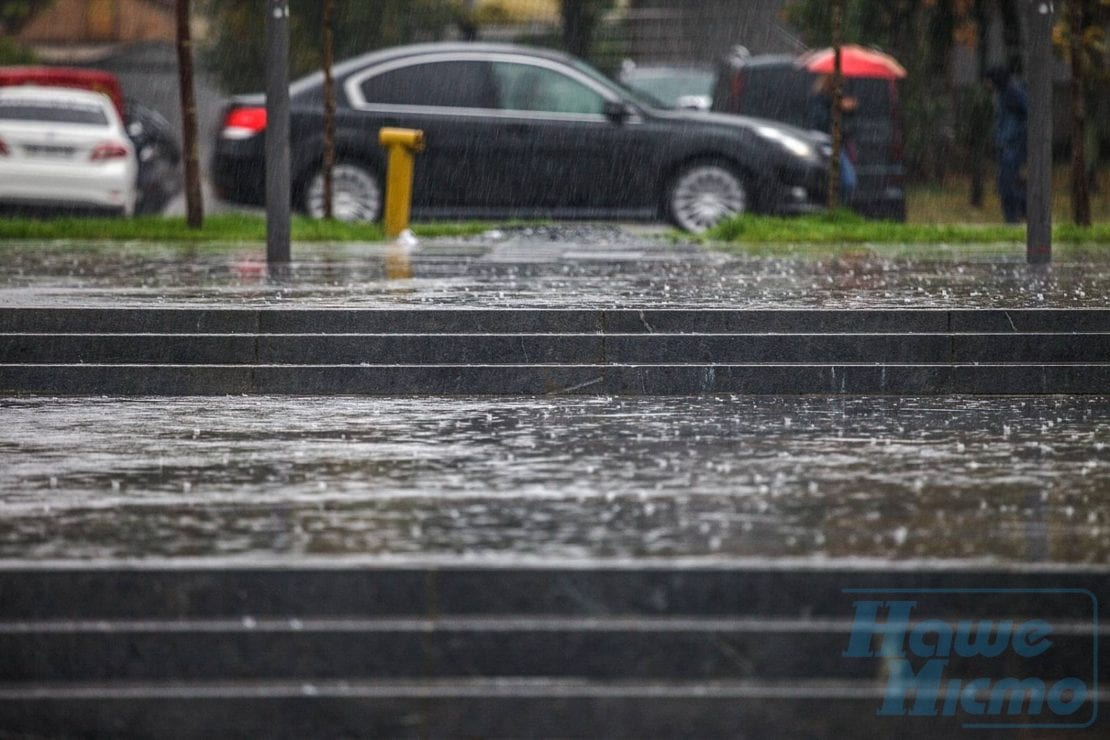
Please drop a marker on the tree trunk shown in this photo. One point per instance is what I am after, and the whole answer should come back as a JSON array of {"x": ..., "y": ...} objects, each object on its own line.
[
  {"x": 979, "y": 139},
  {"x": 194, "y": 204},
  {"x": 1080, "y": 193},
  {"x": 578, "y": 26},
  {"x": 835, "y": 107},
  {"x": 329, "y": 107},
  {"x": 1011, "y": 34}
]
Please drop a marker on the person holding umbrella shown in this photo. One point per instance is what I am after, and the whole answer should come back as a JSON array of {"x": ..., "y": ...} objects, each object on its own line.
[
  {"x": 819, "y": 117},
  {"x": 856, "y": 62}
]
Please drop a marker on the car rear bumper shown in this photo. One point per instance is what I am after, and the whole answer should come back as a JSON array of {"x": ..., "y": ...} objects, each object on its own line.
[
  {"x": 881, "y": 193},
  {"x": 110, "y": 185},
  {"x": 882, "y": 207},
  {"x": 237, "y": 172}
]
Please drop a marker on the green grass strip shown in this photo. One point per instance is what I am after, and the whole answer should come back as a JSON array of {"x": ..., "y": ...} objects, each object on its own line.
[
  {"x": 223, "y": 228},
  {"x": 848, "y": 233},
  {"x": 844, "y": 228}
]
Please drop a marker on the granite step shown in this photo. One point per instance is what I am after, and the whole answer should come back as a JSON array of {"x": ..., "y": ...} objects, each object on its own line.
[
  {"x": 271, "y": 320},
  {"x": 631, "y": 647},
  {"x": 440, "y": 649},
  {"x": 468, "y": 352},
  {"x": 476, "y": 708},
  {"x": 555, "y": 380},
  {"x": 550, "y": 349}
]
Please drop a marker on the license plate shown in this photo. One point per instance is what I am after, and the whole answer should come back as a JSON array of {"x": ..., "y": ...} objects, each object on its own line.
[{"x": 49, "y": 150}]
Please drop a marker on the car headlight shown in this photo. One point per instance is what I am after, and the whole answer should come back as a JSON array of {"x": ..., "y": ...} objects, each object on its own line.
[{"x": 792, "y": 144}]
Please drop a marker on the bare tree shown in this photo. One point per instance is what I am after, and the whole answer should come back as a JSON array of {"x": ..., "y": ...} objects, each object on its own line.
[
  {"x": 580, "y": 21},
  {"x": 329, "y": 106},
  {"x": 194, "y": 204},
  {"x": 979, "y": 105},
  {"x": 835, "y": 105},
  {"x": 1080, "y": 191}
]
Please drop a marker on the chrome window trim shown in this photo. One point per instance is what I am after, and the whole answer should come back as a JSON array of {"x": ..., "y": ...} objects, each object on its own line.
[{"x": 353, "y": 88}]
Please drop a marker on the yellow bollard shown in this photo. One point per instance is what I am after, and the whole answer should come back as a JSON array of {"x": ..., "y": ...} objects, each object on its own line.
[{"x": 402, "y": 144}]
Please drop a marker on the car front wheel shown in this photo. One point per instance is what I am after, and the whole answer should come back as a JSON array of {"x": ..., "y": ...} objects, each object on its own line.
[
  {"x": 356, "y": 194},
  {"x": 704, "y": 194}
]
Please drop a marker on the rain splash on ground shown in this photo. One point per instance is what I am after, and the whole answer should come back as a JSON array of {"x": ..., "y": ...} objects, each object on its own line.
[
  {"x": 1015, "y": 480},
  {"x": 562, "y": 267}
]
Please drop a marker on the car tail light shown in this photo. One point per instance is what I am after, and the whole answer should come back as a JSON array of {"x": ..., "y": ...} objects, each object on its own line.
[
  {"x": 4, "y": 151},
  {"x": 108, "y": 150},
  {"x": 736, "y": 92},
  {"x": 243, "y": 123}
]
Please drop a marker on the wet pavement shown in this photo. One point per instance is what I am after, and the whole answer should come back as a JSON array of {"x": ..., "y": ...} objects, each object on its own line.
[
  {"x": 563, "y": 267},
  {"x": 291, "y": 479}
]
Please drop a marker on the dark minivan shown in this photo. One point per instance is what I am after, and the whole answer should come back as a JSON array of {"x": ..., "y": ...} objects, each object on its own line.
[{"x": 776, "y": 87}]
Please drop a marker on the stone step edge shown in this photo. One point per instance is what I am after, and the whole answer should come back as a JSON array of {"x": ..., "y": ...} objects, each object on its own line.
[
  {"x": 615, "y": 624},
  {"x": 500, "y": 320},
  {"x": 372, "y": 564},
  {"x": 587, "y": 334},
  {"x": 563, "y": 310},
  {"x": 463, "y": 688},
  {"x": 569, "y": 366}
]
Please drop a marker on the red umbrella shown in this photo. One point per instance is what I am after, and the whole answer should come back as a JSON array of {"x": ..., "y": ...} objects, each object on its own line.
[{"x": 855, "y": 61}]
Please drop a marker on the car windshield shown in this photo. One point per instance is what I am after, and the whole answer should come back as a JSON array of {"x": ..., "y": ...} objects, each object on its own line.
[
  {"x": 668, "y": 85},
  {"x": 47, "y": 112}
]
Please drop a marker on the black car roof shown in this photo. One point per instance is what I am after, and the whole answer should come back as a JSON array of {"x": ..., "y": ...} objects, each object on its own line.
[
  {"x": 670, "y": 68},
  {"x": 354, "y": 64},
  {"x": 399, "y": 52},
  {"x": 762, "y": 60}
]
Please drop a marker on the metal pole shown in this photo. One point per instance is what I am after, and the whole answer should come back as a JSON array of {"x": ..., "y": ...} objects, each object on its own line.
[
  {"x": 277, "y": 131},
  {"x": 1038, "y": 235},
  {"x": 1080, "y": 191}
]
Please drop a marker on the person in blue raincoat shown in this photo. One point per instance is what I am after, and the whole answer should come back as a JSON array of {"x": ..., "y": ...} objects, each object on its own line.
[{"x": 1010, "y": 140}]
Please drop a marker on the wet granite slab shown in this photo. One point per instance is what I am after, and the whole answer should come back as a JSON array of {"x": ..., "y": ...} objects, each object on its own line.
[
  {"x": 555, "y": 380},
  {"x": 414, "y": 319},
  {"x": 297, "y": 478}
]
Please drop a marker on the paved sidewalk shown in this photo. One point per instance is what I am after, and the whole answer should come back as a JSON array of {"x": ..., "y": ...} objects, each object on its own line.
[
  {"x": 951, "y": 477},
  {"x": 568, "y": 266},
  {"x": 296, "y": 479}
]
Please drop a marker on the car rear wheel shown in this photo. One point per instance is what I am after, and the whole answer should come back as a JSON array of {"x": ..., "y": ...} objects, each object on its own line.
[
  {"x": 705, "y": 193},
  {"x": 356, "y": 194}
]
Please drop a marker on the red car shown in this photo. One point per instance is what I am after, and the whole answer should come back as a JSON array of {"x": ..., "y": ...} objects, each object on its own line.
[{"x": 81, "y": 79}]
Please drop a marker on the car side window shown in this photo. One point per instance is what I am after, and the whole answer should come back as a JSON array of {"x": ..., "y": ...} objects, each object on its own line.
[
  {"x": 526, "y": 87},
  {"x": 434, "y": 84}
]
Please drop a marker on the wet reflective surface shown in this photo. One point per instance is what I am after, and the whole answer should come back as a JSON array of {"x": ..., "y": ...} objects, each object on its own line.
[
  {"x": 1018, "y": 479},
  {"x": 581, "y": 267}
]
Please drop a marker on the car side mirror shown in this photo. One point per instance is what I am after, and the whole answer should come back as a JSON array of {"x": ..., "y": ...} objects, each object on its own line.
[{"x": 616, "y": 111}]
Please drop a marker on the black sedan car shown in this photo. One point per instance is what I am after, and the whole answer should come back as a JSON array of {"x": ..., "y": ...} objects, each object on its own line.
[{"x": 521, "y": 132}]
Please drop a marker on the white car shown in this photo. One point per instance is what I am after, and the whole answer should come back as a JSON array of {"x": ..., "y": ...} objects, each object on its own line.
[{"x": 64, "y": 148}]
